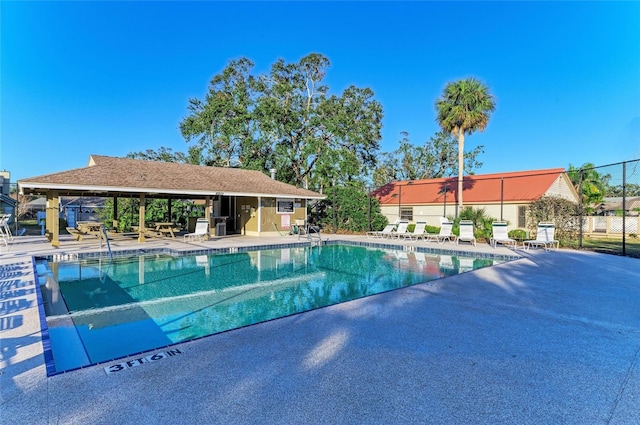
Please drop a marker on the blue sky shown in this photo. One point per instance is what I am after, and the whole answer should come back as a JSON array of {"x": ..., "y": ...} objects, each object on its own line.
[{"x": 109, "y": 78}]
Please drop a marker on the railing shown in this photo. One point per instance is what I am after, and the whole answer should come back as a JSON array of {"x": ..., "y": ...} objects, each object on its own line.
[
  {"x": 311, "y": 233},
  {"x": 103, "y": 233},
  {"x": 610, "y": 225}
]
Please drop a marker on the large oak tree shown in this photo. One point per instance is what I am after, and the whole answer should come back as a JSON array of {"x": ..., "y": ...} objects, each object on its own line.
[
  {"x": 287, "y": 120},
  {"x": 437, "y": 158}
]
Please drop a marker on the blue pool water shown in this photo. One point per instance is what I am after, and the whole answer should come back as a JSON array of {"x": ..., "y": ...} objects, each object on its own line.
[{"x": 137, "y": 304}]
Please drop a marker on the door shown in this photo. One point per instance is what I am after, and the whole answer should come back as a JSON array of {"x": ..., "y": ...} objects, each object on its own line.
[{"x": 228, "y": 209}]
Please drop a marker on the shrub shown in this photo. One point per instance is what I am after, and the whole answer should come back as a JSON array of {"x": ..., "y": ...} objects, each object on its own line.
[
  {"x": 481, "y": 222},
  {"x": 518, "y": 234},
  {"x": 431, "y": 229},
  {"x": 353, "y": 210},
  {"x": 560, "y": 211}
]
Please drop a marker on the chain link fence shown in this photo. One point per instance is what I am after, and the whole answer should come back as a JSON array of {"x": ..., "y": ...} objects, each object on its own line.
[
  {"x": 610, "y": 224},
  {"x": 596, "y": 208}
]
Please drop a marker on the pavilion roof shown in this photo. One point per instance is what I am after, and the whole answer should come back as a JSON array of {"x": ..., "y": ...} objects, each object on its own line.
[{"x": 111, "y": 176}]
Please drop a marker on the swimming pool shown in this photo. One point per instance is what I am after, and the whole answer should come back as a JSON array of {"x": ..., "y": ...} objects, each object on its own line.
[{"x": 98, "y": 311}]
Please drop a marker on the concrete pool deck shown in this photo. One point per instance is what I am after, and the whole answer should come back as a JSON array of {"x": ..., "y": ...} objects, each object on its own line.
[{"x": 553, "y": 337}]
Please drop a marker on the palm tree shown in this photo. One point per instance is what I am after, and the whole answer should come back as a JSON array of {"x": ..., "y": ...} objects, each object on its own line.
[
  {"x": 464, "y": 107},
  {"x": 594, "y": 184}
]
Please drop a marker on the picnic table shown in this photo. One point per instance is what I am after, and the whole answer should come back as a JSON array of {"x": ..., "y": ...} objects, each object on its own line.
[
  {"x": 91, "y": 227},
  {"x": 165, "y": 228},
  {"x": 86, "y": 228}
]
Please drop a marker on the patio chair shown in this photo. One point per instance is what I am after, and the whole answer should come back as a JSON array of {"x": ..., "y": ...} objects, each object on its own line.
[
  {"x": 201, "y": 231},
  {"x": 466, "y": 232},
  {"x": 390, "y": 228},
  {"x": 5, "y": 230},
  {"x": 444, "y": 234},
  {"x": 418, "y": 231},
  {"x": 545, "y": 235},
  {"x": 300, "y": 227},
  {"x": 401, "y": 231},
  {"x": 500, "y": 234},
  {"x": 283, "y": 233}
]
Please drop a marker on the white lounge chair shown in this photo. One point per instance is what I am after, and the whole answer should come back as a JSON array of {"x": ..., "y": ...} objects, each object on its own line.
[
  {"x": 466, "y": 232},
  {"x": 201, "y": 231},
  {"x": 387, "y": 231},
  {"x": 418, "y": 231},
  {"x": 500, "y": 234},
  {"x": 5, "y": 230},
  {"x": 401, "y": 231},
  {"x": 545, "y": 235},
  {"x": 444, "y": 234}
]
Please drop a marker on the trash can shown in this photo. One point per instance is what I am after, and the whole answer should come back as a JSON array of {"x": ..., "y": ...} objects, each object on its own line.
[
  {"x": 191, "y": 224},
  {"x": 221, "y": 229}
]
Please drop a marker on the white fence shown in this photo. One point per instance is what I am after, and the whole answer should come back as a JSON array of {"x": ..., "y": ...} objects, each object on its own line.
[{"x": 610, "y": 225}]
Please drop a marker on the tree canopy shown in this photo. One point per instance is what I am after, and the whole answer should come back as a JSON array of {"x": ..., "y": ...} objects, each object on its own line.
[
  {"x": 594, "y": 185},
  {"x": 287, "y": 120},
  {"x": 164, "y": 154},
  {"x": 631, "y": 189},
  {"x": 436, "y": 158}
]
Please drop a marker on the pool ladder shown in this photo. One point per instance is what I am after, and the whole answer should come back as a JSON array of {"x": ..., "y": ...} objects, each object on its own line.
[
  {"x": 312, "y": 234},
  {"x": 103, "y": 231}
]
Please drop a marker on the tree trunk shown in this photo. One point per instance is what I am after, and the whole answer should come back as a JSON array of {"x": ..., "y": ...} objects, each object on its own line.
[{"x": 460, "y": 168}]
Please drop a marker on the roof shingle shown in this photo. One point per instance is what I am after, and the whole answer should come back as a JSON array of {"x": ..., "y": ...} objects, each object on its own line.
[{"x": 111, "y": 174}]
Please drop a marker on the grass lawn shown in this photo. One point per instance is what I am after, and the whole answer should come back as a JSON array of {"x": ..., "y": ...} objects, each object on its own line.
[
  {"x": 33, "y": 228},
  {"x": 613, "y": 246}
]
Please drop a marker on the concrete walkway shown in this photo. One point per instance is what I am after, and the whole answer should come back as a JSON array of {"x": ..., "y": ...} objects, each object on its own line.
[{"x": 551, "y": 338}]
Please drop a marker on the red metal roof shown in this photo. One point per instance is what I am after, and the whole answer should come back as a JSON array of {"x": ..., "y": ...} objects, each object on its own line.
[{"x": 486, "y": 188}]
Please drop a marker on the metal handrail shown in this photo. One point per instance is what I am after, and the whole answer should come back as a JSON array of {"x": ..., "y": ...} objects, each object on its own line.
[
  {"x": 311, "y": 233},
  {"x": 106, "y": 238}
]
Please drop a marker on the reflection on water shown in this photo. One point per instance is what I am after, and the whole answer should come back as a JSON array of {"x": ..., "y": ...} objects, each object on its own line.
[{"x": 137, "y": 304}]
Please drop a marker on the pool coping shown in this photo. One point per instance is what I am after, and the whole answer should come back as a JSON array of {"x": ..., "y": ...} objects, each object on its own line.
[
  {"x": 56, "y": 257},
  {"x": 561, "y": 290},
  {"x": 46, "y": 343}
]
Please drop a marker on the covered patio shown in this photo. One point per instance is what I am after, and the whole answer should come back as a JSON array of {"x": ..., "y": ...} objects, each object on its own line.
[{"x": 247, "y": 201}]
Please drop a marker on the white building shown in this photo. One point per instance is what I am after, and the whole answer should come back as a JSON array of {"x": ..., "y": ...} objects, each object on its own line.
[{"x": 504, "y": 196}]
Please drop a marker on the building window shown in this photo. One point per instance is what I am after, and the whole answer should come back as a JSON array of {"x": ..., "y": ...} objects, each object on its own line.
[
  {"x": 406, "y": 213},
  {"x": 284, "y": 206},
  {"x": 522, "y": 216}
]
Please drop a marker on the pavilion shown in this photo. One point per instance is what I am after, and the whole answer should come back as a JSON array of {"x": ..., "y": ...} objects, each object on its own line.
[{"x": 247, "y": 201}]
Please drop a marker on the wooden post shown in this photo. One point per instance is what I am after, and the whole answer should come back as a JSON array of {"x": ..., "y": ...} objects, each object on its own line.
[
  {"x": 208, "y": 211},
  {"x": 52, "y": 218},
  {"x": 48, "y": 221},
  {"x": 56, "y": 220},
  {"x": 115, "y": 213},
  {"x": 141, "y": 237}
]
